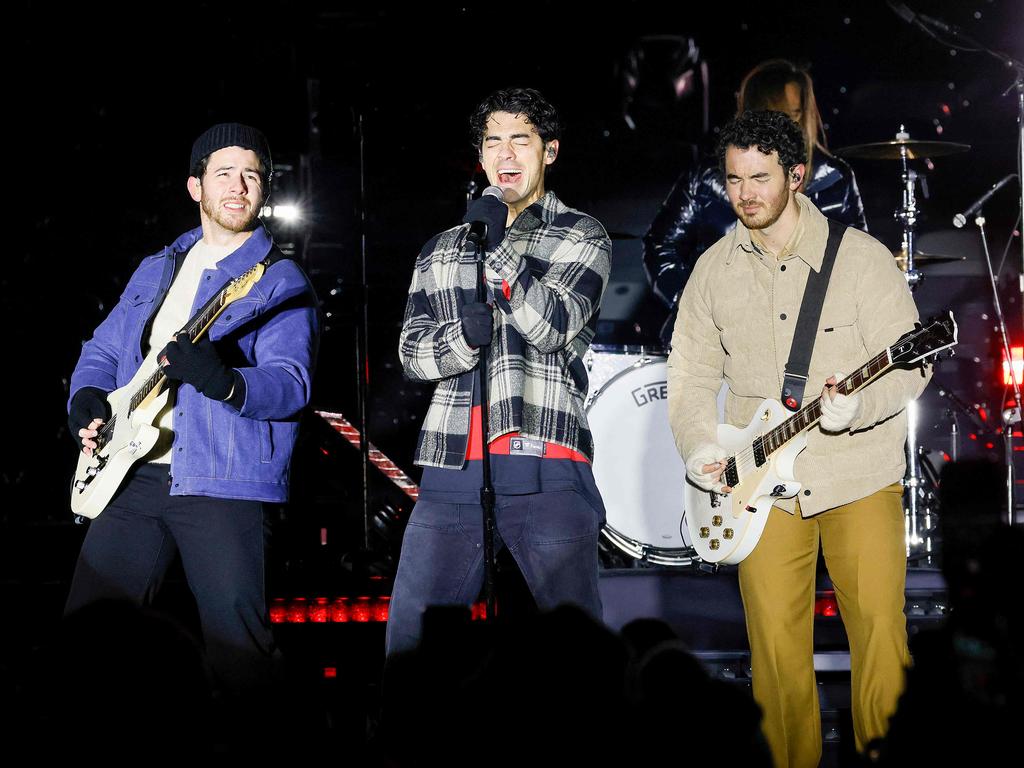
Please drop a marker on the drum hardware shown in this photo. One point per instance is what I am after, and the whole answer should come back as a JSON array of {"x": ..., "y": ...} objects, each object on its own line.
[
  {"x": 922, "y": 258},
  {"x": 905, "y": 149}
]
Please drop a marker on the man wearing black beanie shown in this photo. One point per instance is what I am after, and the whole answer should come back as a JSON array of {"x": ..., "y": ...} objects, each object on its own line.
[{"x": 229, "y": 425}]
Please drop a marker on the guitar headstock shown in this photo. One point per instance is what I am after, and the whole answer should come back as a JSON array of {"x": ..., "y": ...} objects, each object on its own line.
[
  {"x": 242, "y": 284},
  {"x": 927, "y": 340}
]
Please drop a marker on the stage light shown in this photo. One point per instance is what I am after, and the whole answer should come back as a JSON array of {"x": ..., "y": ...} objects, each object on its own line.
[
  {"x": 1017, "y": 355},
  {"x": 287, "y": 213},
  {"x": 826, "y": 604}
]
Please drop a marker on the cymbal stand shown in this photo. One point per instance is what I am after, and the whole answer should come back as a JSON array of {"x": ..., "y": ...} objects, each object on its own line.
[{"x": 914, "y": 485}]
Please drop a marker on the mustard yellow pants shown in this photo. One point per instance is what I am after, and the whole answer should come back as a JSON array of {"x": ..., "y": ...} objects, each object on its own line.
[{"x": 863, "y": 544}]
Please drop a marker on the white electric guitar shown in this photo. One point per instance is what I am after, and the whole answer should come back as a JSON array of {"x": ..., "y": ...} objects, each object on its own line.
[
  {"x": 129, "y": 434},
  {"x": 725, "y": 527}
]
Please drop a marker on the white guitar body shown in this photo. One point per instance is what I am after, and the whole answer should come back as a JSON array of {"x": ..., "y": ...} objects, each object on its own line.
[
  {"x": 722, "y": 527},
  {"x": 725, "y": 527},
  {"x": 98, "y": 477}
]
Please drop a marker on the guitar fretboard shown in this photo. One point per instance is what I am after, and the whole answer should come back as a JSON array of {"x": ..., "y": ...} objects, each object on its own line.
[
  {"x": 200, "y": 321},
  {"x": 809, "y": 414}
]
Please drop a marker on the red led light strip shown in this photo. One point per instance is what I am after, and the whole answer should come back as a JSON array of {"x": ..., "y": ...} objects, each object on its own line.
[{"x": 340, "y": 610}]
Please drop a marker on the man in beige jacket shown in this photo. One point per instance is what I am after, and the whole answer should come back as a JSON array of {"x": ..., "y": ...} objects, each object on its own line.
[{"x": 735, "y": 325}]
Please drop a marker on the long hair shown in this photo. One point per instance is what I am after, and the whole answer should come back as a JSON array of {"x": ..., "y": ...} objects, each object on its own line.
[{"x": 764, "y": 87}]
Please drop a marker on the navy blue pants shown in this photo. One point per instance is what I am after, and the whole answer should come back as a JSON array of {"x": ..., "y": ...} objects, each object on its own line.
[
  {"x": 130, "y": 546},
  {"x": 552, "y": 536}
]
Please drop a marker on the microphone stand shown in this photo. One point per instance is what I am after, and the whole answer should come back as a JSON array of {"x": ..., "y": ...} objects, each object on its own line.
[
  {"x": 1011, "y": 416},
  {"x": 478, "y": 236}
]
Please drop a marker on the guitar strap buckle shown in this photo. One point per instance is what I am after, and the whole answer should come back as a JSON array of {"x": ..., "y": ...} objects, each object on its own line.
[{"x": 793, "y": 385}]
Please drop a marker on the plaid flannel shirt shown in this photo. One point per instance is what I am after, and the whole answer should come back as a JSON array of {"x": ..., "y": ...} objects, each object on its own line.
[{"x": 555, "y": 261}]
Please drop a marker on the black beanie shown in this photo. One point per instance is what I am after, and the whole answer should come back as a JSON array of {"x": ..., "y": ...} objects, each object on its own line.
[{"x": 231, "y": 135}]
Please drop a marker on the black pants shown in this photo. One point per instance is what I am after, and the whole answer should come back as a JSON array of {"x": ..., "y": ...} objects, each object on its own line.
[{"x": 130, "y": 546}]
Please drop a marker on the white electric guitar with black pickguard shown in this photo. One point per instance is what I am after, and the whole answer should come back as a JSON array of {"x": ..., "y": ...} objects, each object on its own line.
[
  {"x": 130, "y": 434},
  {"x": 725, "y": 527}
]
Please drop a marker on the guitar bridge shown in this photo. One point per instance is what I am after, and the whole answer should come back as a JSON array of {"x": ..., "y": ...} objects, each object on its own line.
[{"x": 716, "y": 500}]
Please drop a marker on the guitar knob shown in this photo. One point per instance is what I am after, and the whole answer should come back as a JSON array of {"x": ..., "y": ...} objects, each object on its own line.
[
  {"x": 727, "y": 533},
  {"x": 714, "y": 544},
  {"x": 705, "y": 532},
  {"x": 716, "y": 520}
]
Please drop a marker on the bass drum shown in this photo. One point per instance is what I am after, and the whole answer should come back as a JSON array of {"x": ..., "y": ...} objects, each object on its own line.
[{"x": 636, "y": 465}]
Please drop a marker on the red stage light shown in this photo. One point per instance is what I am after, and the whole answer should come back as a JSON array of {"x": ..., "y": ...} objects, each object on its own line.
[
  {"x": 319, "y": 611},
  {"x": 297, "y": 611},
  {"x": 278, "y": 611},
  {"x": 361, "y": 609},
  {"x": 826, "y": 605},
  {"x": 339, "y": 610},
  {"x": 1017, "y": 355},
  {"x": 330, "y": 672},
  {"x": 380, "y": 608}
]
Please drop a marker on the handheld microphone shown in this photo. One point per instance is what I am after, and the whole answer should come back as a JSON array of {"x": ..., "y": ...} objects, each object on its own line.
[{"x": 961, "y": 218}]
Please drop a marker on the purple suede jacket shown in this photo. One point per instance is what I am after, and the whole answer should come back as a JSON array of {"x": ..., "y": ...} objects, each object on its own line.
[{"x": 269, "y": 337}]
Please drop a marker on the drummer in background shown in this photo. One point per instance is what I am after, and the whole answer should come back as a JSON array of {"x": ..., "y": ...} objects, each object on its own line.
[{"x": 697, "y": 212}]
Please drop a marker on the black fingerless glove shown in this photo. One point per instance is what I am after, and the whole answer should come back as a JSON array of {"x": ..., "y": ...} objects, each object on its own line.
[
  {"x": 88, "y": 403},
  {"x": 199, "y": 365},
  {"x": 477, "y": 324}
]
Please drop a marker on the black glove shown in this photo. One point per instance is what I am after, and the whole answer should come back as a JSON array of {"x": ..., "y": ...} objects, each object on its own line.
[
  {"x": 492, "y": 212},
  {"x": 477, "y": 324},
  {"x": 88, "y": 403},
  {"x": 199, "y": 365}
]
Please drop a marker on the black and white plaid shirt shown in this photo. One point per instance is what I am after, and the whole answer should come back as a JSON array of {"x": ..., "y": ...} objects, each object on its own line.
[{"x": 555, "y": 261}]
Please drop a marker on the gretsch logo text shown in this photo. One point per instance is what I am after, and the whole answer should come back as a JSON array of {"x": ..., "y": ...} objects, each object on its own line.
[{"x": 656, "y": 390}]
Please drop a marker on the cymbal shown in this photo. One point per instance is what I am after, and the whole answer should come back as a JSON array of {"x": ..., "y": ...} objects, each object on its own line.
[
  {"x": 891, "y": 150},
  {"x": 923, "y": 259}
]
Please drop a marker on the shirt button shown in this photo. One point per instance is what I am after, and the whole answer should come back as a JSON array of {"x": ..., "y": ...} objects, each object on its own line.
[
  {"x": 807, "y": 492},
  {"x": 782, "y": 316},
  {"x": 782, "y": 268}
]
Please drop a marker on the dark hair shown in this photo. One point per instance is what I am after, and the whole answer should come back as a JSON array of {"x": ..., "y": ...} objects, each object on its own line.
[
  {"x": 767, "y": 130},
  {"x": 517, "y": 101}
]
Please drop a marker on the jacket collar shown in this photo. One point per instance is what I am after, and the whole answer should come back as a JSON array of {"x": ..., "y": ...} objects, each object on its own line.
[
  {"x": 810, "y": 247},
  {"x": 254, "y": 249}
]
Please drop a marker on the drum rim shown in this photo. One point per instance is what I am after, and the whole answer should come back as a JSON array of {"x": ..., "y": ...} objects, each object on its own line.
[
  {"x": 649, "y": 552},
  {"x": 629, "y": 349},
  {"x": 592, "y": 397}
]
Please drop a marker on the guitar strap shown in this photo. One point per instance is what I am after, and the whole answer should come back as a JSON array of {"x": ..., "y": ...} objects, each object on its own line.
[{"x": 795, "y": 378}]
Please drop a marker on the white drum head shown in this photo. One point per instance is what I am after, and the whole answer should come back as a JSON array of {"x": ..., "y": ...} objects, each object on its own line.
[{"x": 636, "y": 465}]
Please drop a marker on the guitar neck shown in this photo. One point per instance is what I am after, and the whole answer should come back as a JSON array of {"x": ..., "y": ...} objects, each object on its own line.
[
  {"x": 195, "y": 328},
  {"x": 809, "y": 415}
]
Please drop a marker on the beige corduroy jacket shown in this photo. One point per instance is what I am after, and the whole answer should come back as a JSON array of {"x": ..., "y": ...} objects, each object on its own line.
[{"x": 736, "y": 320}]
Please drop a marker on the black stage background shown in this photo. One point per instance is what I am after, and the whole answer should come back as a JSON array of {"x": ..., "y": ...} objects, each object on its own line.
[{"x": 103, "y": 107}]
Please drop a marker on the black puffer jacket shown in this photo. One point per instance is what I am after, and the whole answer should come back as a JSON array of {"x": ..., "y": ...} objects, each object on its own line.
[{"x": 697, "y": 213}]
